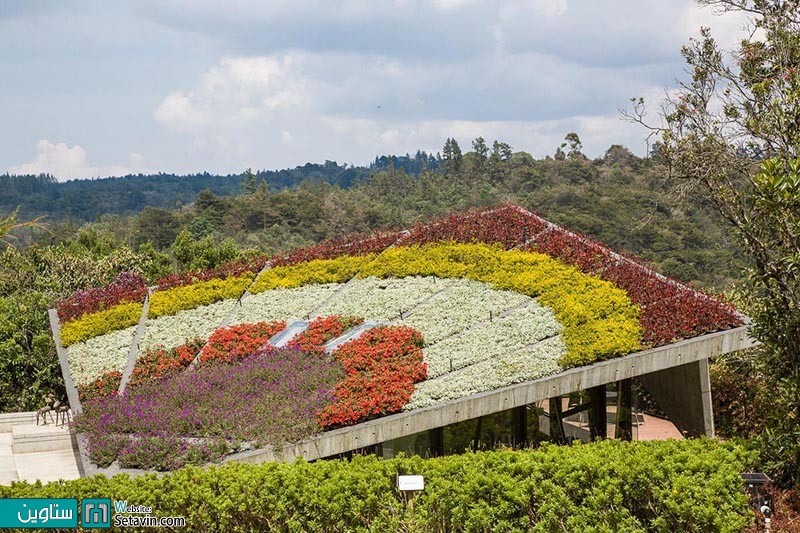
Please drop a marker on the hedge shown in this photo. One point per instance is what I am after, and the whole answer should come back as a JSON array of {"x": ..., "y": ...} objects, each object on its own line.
[
  {"x": 170, "y": 301},
  {"x": 93, "y": 325},
  {"x": 318, "y": 271},
  {"x": 672, "y": 486}
]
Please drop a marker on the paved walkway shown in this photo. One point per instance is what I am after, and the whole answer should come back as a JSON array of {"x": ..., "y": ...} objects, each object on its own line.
[{"x": 39, "y": 465}]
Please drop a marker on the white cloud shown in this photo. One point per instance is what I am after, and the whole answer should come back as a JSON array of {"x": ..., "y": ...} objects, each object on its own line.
[
  {"x": 61, "y": 161},
  {"x": 728, "y": 28},
  {"x": 234, "y": 91},
  {"x": 178, "y": 112},
  {"x": 237, "y": 84},
  {"x": 451, "y": 4},
  {"x": 286, "y": 109}
]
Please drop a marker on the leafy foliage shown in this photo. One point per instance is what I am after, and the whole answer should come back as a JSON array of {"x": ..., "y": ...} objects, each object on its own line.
[
  {"x": 95, "y": 324},
  {"x": 381, "y": 367},
  {"x": 691, "y": 485},
  {"x": 170, "y": 301},
  {"x": 237, "y": 342},
  {"x": 730, "y": 132},
  {"x": 106, "y": 385},
  {"x": 266, "y": 398},
  {"x": 317, "y": 271},
  {"x": 600, "y": 320},
  {"x": 159, "y": 362},
  {"x": 126, "y": 287}
]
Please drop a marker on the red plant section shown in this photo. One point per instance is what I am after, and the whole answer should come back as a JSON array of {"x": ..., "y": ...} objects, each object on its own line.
[
  {"x": 381, "y": 367},
  {"x": 686, "y": 315},
  {"x": 644, "y": 288},
  {"x": 589, "y": 256},
  {"x": 355, "y": 244},
  {"x": 670, "y": 311},
  {"x": 226, "y": 270},
  {"x": 321, "y": 330},
  {"x": 160, "y": 362},
  {"x": 507, "y": 225},
  {"x": 105, "y": 385},
  {"x": 236, "y": 342},
  {"x": 126, "y": 287}
]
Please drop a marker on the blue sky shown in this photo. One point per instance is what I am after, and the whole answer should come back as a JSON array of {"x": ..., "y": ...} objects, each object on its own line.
[{"x": 97, "y": 88}]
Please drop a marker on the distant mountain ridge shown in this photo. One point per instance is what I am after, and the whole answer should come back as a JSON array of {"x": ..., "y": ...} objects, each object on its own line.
[{"x": 87, "y": 199}]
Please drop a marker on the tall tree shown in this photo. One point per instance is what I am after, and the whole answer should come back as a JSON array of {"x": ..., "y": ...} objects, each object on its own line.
[
  {"x": 732, "y": 132},
  {"x": 452, "y": 156},
  {"x": 573, "y": 142},
  {"x": 481, "y": 153},
  {"x": 499, "y": 161},
  {"x": 249, "y": 183}
]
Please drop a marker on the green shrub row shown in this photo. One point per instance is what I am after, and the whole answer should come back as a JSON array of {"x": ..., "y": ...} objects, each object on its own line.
[
  {"x": 607, "y": 486},
  {"x": 171, "y": 301},
  {"x": 95, "y": 324}
]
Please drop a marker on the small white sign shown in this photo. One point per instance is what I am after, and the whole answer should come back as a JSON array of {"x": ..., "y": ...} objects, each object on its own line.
[{"x": 410, "y": 483}]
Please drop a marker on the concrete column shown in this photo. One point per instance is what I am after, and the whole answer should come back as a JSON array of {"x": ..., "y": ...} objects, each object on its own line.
[
  {"x": 519, "y": 422},
  {"x": 436, "y": 436},
  {"x": 684, "y": 394},
  {"x": 599, "y": 413},
  {"x": 624, "y": 411}
]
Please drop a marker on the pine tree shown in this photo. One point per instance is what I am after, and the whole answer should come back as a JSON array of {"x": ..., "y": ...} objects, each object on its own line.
[{"x": 249, "y": 183}]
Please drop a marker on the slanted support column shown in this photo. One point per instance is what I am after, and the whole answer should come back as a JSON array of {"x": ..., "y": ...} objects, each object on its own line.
[
  {"x": 598, "y": 415},
  {"x": 684, "y": 394},
  {"x": 624, "y": 411},
  {"x": 557, "y": 434},
  {"x": 519, "y": 421}
]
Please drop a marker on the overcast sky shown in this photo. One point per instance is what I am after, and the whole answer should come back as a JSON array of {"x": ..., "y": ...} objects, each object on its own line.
[{"x": 98, "y": 88}]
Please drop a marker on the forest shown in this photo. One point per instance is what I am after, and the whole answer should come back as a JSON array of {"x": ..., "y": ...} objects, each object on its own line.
[
  {"x": 623, "y": 200},
  {"x": 85, "y": 200}
]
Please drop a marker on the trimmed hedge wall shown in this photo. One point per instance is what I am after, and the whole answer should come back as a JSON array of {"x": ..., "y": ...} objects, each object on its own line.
[{"x": 670, "y": 486}]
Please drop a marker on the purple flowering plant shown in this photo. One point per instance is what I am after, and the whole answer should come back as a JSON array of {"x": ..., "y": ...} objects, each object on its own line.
[{"x": 268, "y": 398}]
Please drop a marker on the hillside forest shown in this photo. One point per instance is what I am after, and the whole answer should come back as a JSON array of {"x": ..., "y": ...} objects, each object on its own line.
[{"x": 623, "y": 200}]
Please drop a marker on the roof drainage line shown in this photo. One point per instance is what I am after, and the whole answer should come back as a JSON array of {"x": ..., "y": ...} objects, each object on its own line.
[
  {"x": 336, "y": 294},
  {"x": 462, "y": 369},
  {"x": 286, "y": 335},
  {"x": 315, "y": 312},
  {"x": 133, "y": 351},
  {"x": 349, "y": 335},
  {"x": 229, "y": 317},
  {"x": 404, "y": 314},
  {"x": 622, "y": 259},
  {"x": 506, "y": 312}
]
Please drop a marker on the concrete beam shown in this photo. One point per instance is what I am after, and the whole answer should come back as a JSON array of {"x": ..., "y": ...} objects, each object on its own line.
[
  {"x": 63, "y": 360},
  {"x": 406, "y": 423},
  {"x": 133, "y": 352},
  {"x": 684, "y": 394}
]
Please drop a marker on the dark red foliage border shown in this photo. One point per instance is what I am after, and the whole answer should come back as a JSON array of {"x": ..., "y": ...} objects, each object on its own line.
[{"x": 670, "y": 310}]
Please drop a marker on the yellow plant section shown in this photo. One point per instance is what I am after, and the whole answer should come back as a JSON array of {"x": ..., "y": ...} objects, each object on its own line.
[
  {"x": 171, "y": 301},
  {"x": 315, "y": 272},
  {"x": 96, "y": 324},
  {"x": 599, "y": 319}
]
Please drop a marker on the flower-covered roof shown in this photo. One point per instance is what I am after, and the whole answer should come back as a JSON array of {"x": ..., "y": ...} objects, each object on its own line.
[{"x": 465, "y": 304}]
